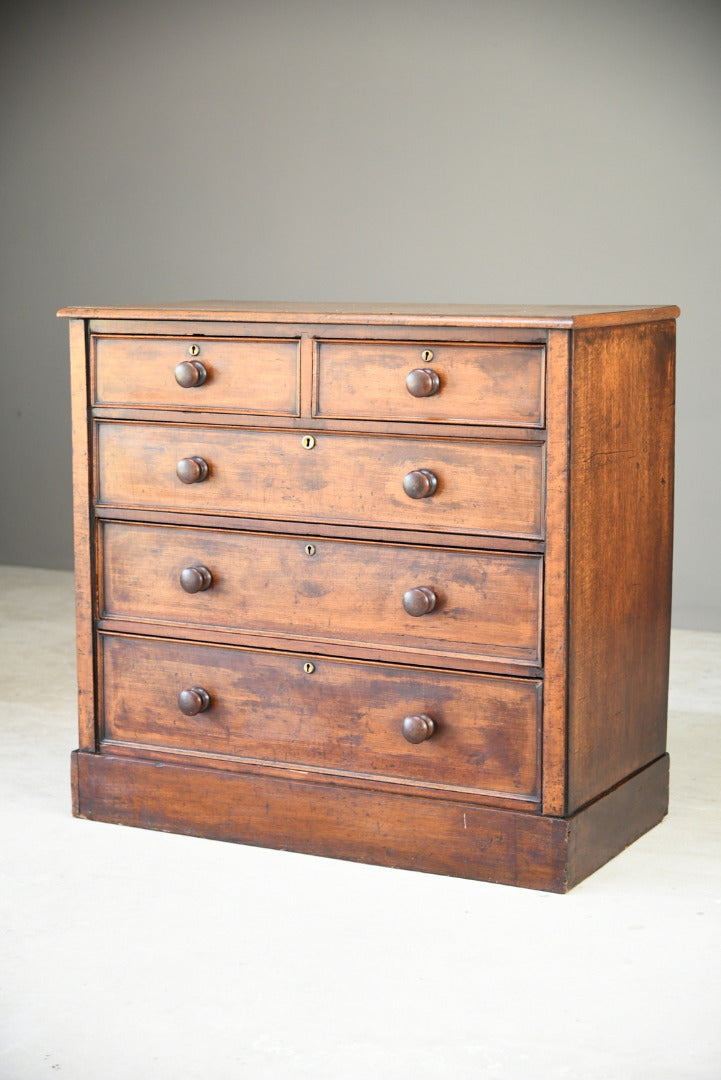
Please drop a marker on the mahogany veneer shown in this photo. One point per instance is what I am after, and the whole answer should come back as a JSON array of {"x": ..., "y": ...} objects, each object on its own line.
[{"x": 386, "y": 584}]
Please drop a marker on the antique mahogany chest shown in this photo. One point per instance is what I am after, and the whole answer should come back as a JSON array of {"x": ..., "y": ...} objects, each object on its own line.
[{"x": 389, "y": 584}]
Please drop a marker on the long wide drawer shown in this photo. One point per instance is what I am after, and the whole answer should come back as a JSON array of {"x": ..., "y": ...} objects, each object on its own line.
[
  {"x": 484, "y": 604},
  {"x": 343, "y": 717},
  {"x": 447, "y": 382},
  {"x": 235, "y": 375},
  {"x": 475, "y": 487}
]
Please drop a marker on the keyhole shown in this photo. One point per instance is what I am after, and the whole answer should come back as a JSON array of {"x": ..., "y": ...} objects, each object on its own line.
[
  {"x": 308, "y": 442},
  {"x": 309, "y": 549},
  {"x": 194, "y": 350},
  {"x": 308, "y": 668},
  {"x": 427, "y": 356}
]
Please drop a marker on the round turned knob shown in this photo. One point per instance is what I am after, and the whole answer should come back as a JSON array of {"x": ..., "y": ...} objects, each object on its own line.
[
  {"x": 419, "y": 601},
  {"x": 423, "y": 382},
  {"x": 193, "y": 701},
  {"x": 190, "y": 373},
  {"x": 417, "y": 729},
  {"x": 196, "y": 579},
  {"x": 420, "y": 484},
  {"x": 192, "y": 470}
]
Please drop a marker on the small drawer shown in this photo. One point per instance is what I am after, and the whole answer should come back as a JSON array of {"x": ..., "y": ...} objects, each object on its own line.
[
  {"x": 479, "y": 733},
  {"x": 233, "y": 375},
  {"x": 444, "y": 382},
  {"x": 403, "y": 598},
  {"x": 472, "y": 487}
]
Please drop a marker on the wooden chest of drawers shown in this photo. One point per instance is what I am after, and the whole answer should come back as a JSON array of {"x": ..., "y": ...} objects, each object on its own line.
[{"x": 385, "y": 584}]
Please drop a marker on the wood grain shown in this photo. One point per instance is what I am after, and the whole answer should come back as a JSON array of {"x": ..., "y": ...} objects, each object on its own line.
[
  {"x": 483, "y": 333},
  {"x": 483, "y": 487},
  {"x": 555, "y": 612},
  {"x": 563, "y": 316},
  {"x": 478, "y": 383},
  {"x": 442, "y": 837},
  {"x": 340, "y": 718},
  {"x": 620, "y": 553},
  {"x": 243, "y": 375},
  {"x": 328, "y": 529},
  {"x": 489, "y": 604},
  {"x": 435, "y": 836},
  {"x": 609, "y": 824}
]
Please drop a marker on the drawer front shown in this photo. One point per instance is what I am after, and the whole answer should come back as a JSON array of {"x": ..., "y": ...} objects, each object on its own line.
[
  {"x": 483, "y": 487},
  {"x": 346, "y": 592},
  {"x": 343, "y": 717},
  {"x": 461, "y": 384},
  {"x": 235, "y": 375}
]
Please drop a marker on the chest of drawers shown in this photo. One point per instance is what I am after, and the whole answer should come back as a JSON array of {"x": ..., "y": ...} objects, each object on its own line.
[{"x": 389, "y": 584}]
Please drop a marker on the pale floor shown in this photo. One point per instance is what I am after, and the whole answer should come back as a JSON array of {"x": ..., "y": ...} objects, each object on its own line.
[{"x": 128, "y": 955}]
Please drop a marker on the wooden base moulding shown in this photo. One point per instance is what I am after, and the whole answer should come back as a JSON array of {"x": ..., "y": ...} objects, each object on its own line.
[{"x": 452, "y": 838}]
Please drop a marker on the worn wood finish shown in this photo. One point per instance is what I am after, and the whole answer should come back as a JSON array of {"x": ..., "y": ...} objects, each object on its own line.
[
  {"x": 452, "y": 837},
  {"x": 350, "y": 597},
  {"x": 339, "y": 718},
  {"x": 475, "y": 383},
  {"x": 483, "y": 487},
  {"x": 243, "y": 375},
  {"x": 444, "y": 837},
  {"x": 622, "y": 427},
  {"x": 488, "y": 604}
]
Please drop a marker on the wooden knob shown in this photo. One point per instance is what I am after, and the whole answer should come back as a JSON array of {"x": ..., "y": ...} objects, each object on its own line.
[
  {"x": 417, "y": 729},
  {"x": 190, "y": 373},
  {"x": 423, "y": 382},
  {"x": 193, "y": 701},
  {"x": 192, "y": 470},
  {"x": 420, "y": 484},
  {"x": 196, "y": 579},
  {"x": 419, "y": 601}
]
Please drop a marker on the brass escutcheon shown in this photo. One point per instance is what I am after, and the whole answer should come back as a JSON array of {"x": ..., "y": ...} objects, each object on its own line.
[
  {"x": 310, "y": 549},
  {"x": 194, "y": 350},
  {"x": 308, "y": 442},
  {"x": 427, "y": 356},
  {"x": 308, "y": 668}
]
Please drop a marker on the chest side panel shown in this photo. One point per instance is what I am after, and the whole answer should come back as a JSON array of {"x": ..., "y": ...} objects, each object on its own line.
[{"x": 621, "y": 500}]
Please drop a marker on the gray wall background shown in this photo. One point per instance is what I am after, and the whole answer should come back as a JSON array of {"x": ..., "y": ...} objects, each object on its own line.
[{"x": 511, "y": 151}]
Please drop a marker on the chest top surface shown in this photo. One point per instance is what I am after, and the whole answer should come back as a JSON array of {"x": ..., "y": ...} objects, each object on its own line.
[{"x": 551, "y": 316}]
